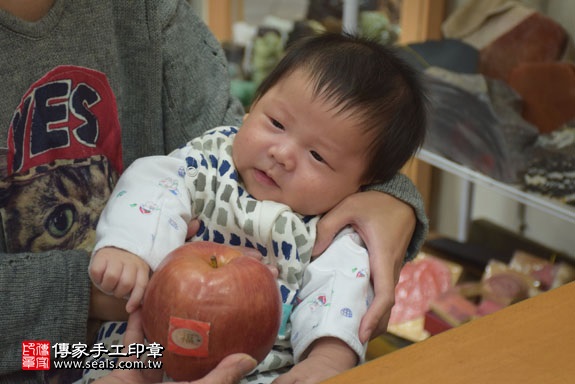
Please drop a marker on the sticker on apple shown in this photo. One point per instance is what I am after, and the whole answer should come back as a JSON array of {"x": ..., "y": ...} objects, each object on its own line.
[{"x": 188, "y": 337}]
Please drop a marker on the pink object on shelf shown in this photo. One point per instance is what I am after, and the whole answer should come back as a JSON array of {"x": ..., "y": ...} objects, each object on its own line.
[{"x": 420, "y": 282}]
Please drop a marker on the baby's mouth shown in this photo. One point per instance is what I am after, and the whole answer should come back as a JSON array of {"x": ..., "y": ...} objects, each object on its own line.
[{"x": 263, "y": 178}]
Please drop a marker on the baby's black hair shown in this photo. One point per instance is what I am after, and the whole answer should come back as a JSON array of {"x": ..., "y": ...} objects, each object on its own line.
[{"x": 369, "y": 80}]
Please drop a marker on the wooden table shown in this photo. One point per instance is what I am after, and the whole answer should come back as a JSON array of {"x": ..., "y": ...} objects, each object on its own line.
[{"x": 531, "y": 342}]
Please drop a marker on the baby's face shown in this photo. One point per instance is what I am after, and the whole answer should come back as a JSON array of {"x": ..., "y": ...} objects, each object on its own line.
[{"x": 294, "y": 149}]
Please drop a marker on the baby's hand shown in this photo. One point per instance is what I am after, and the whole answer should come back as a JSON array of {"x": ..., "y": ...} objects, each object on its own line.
[
  {"x": 121, "y": 273},
  {"x": 328, "y": 357}
]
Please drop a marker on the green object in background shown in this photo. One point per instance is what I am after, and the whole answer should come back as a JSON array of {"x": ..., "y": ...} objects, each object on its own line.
[
  {"x": 376, "y": 25},
  {"x": 267, "y": 52},
  {"x": 244, "y": 90}
]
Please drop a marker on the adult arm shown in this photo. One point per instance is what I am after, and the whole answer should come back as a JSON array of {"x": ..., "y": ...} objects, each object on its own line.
[
  {"x": 196, "y": 89},
  {"x": 47, "y": 295},
  {"x": 43, "y": 296},
  {"x": 393, "y": 226}
]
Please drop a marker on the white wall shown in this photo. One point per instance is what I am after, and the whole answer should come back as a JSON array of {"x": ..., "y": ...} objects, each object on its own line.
[{"x": 540, "y": 227}]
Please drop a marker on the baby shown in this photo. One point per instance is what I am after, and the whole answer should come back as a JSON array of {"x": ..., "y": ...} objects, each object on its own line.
[{"x": 336, "y": 114}]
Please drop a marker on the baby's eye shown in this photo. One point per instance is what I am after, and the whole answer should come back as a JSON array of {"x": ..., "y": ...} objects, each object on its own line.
[
  {"x": 316, "y": 156},
  {"x": 277, "y": 124}
]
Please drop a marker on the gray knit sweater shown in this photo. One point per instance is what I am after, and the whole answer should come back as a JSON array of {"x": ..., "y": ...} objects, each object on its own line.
[{"x": 169, "y": 78}]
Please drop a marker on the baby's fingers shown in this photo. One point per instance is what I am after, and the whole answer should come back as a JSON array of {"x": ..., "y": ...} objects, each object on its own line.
[
  {"x": 97, "y": 269},
  {"x": 138, "y": 290},
  {"x": 111, "y": 278}
]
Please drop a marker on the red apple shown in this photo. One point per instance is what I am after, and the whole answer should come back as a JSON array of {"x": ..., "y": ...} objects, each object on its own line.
[{"x": 206, "y": 301}]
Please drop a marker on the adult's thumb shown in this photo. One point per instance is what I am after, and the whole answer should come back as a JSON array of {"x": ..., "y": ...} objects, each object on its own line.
[
  {"x": 327, "y": 228},
  {"x": 230, "y": 370}
]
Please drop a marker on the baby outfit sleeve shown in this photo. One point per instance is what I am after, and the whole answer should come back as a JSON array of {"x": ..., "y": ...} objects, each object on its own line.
[
  {"x": 335, "y": 295},
  {"x": 149, "y": 210}
]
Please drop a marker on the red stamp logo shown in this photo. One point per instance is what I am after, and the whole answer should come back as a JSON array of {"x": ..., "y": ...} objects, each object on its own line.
[{"x": 35, "y": 355}]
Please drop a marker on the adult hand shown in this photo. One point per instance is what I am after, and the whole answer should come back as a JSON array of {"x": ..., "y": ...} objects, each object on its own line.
[
  {"x": 386, "y": 226},
  {"x": 230, "y": 370}
]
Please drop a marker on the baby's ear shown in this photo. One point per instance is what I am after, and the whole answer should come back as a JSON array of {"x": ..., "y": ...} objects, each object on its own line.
[{"x": 245, "y": 116}]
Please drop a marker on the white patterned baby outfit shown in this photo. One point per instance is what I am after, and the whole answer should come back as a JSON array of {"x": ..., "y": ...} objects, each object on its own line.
[{"x": 156, "y": 197}]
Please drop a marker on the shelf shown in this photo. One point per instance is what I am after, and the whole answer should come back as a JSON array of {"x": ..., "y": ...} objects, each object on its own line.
[{"x": 550, "y": 206}]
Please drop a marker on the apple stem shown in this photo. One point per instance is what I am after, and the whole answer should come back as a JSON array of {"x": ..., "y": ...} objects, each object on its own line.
[{"x": 214, "y": 261}]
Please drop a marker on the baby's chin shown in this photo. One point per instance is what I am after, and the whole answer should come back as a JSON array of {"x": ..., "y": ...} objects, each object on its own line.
[{"x": 304, "y": 207}]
